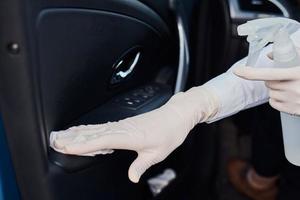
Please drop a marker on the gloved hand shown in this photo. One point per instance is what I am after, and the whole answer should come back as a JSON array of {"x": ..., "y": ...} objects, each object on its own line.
[
  {"x": 283, "y": 85},
  {"x": 153, "y": 135}
]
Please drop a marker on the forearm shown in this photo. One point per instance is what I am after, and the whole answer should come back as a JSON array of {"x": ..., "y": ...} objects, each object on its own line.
[{"x": 236, "y": 94}]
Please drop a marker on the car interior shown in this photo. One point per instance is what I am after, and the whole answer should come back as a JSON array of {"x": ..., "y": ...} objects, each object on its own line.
[{"x": 65, "y": 63}]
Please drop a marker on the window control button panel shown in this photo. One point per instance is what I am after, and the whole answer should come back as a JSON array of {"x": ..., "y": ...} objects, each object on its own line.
[{"x": 138, "y": 97}]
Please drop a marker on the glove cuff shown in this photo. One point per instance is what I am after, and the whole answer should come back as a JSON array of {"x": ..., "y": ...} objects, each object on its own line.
[{"x": 195, "y": 105}]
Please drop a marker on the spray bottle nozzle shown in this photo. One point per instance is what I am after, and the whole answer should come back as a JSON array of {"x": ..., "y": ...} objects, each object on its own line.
[{"x": 261, "y": 32}]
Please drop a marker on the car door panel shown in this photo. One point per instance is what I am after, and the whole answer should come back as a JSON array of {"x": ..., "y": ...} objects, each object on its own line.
[
  {"x": 62, "y": 70},
  {"x": 61, "y": 63},
  {"x": 77, "y": 58}
]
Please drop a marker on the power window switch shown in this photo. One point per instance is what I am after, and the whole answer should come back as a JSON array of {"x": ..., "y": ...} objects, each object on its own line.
[{"x": 130, "y": 103}]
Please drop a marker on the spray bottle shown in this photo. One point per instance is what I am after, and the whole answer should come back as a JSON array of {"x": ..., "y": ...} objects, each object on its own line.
[{"x": 260, "y": 33}]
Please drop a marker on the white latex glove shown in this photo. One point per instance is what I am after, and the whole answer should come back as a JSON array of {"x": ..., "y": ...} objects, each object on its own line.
[
  {"x": 153, "y": 135},
  {"x": 283, "y": 85}
]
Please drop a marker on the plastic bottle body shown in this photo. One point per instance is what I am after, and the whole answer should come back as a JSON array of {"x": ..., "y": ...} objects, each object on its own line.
[
  {"x": 291, "y": 137},
  {"x": 290, "y": 123},
  {"x": 260, "y": 32}
]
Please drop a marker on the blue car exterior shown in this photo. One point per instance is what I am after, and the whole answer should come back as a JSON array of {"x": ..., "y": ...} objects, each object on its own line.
[{"x": 8, "y": 186}]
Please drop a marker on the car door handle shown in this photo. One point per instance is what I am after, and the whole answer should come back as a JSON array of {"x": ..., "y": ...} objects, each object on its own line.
[
  {"x": 124, "y": 74},
  {"x": 126, "y": 65}
]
